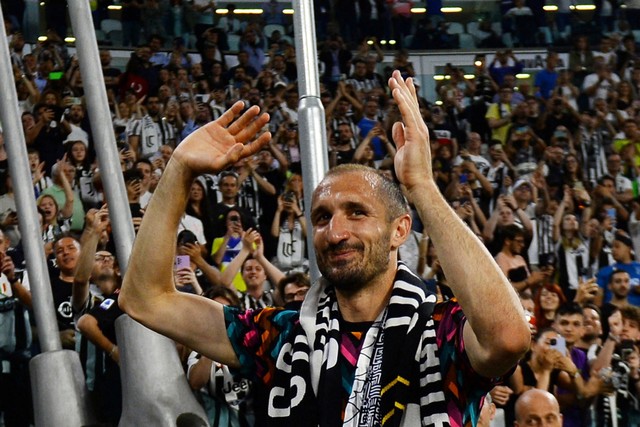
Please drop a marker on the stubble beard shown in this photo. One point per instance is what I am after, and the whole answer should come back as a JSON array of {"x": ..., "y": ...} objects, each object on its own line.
[{"x": 353, "y": 275}]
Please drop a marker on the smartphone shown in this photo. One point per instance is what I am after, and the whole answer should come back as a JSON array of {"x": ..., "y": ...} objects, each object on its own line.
[
  {"x": 559, "y": 344},
  {"x": 76, "y": 101},
  {"x": 463, "y": 178},
  {"x": 182, "y": 261},
  {"x": 611, "y": 213},
  {"x": 56, "y": 75}
]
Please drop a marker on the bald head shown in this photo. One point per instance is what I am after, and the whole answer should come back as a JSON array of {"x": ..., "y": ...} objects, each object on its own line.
[{"x": 537, "y": 407}]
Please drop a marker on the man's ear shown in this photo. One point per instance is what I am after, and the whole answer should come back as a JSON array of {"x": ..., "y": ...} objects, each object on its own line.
[{"x": 401, "y": 232}]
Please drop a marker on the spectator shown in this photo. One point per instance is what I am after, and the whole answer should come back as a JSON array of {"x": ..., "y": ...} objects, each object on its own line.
[
  {"x": 290, "y": 229},
  {"x": 547, "y": 301},
  {"x": 499, "y": 115},
  {"x": 131, "y": 22},
  {"x": 63, "y": 175},
  {"x": 151, "y": 132},
  {"x": 537, "y": 406},
  {"x": 255, "y": 270},
  {"x": 504, "y": 62},
  {"x": 513, "y": 265},
  {"x": 546, "y": 79},
  {"x": 621, "y": 251}
]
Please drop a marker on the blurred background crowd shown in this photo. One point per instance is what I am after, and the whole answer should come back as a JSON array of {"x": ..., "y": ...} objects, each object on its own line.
[{"x": 540, "y": 159}]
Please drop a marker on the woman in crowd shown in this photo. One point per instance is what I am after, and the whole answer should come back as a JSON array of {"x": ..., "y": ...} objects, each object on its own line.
[
  {"x": 198, "y": 206},
  {"x": 225, "y": 248},
  {"x": 547, "y": 299}
]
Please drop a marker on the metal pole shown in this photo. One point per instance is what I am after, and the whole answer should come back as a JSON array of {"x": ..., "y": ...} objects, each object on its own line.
[
  {"x": 103, "y": 134},
  {"x": 59, "y": 393},
  {"x": 146, "y": 358},
  {"x": 25, "y": 203},
  {"x": 311, "y": 122}
]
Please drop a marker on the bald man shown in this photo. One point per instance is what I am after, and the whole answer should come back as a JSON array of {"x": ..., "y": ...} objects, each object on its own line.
[{"x": 537, "y": 407}]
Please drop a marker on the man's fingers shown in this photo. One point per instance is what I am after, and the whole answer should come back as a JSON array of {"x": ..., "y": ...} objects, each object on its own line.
[
  {"x": 228, "y": 116},
  {"x": 248, "y": 125},
  {"x": 243, "y": 121},
  {"x": 256, "y": 145}
]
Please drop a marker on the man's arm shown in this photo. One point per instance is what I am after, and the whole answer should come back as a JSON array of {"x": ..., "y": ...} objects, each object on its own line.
[
  {"x": 96, "y": 222},
  {"x": 148, "y": 294},
  {"x": 493, "y": 343}
]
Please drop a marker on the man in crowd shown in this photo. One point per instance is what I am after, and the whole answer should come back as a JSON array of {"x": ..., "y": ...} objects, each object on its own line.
[{"x": 356, "y": 237}]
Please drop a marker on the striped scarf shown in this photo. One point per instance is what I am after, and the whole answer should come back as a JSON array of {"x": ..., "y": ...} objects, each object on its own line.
[{"x": 397, "y": 381}]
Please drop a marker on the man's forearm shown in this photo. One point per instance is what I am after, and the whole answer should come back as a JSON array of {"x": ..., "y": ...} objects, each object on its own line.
[
  {"x": 475, "y": 279},
  {"x": 155, "y": 244}
]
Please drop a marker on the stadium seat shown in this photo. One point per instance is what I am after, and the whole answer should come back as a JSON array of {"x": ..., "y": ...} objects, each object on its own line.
[
  {"x": 233, "y": 40},
  {"x": 108, "y": 25},
  {"x": 466, "y": 41},
  {"x": 116, "y": 37},
  {"x": 406, "y": 42},
  {"x": 456, "y": 28}
]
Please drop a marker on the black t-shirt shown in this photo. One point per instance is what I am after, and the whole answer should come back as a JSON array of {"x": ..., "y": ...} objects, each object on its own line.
[
  {"x": 106, "y": 314},
  {"x": 61, "y": 291}
]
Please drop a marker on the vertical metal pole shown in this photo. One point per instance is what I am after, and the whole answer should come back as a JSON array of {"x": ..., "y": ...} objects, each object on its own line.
[
  {"x": 25, "y": 203},
  {"x": 160, "y": 388},
  {"x": 103, "y": 134},
  {"x": 59, "y": 393},
  {"x": 311, "y": 121}
]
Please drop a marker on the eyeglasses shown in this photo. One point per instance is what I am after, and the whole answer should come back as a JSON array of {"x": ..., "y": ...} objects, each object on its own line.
[
  {"x": 103, "y": 258},
  {"x": 290, "y": 296}
]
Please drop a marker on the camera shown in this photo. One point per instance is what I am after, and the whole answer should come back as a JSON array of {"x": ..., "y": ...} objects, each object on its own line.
[{"x": 288, "y": 196}]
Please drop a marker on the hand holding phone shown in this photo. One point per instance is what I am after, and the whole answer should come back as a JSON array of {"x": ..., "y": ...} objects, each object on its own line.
[{"x": 559, "y": 344}]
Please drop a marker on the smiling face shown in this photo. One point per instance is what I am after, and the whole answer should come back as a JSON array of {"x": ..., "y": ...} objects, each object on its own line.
[
  {"x": 253, "y": 274},
  {"x": 354, "y": 234},
  {"x": 67, "y": 251}
]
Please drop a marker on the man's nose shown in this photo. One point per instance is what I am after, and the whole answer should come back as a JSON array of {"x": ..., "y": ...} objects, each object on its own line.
[{"x": 338, "y": 229}]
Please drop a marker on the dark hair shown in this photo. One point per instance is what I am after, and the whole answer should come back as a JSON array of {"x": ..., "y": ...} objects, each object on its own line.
[
  {"x": 614, "y": 272},
  {"x": 302, "y": 279},
  {"x": 631, "y": 312},
  {"x": 512, "y": 231},
  {"x": 222, "y": 291},
  {"x": 568, "y": 309}
]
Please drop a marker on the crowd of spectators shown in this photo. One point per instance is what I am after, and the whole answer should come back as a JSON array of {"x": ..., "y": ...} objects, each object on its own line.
[{"x": 546, "y": 174}]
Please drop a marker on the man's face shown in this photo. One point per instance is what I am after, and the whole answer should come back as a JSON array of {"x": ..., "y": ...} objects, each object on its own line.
[
  {"x": 145, "y": 170},
  {"x": 360, "y": 69},
  {"x": 630, "y": 330},
  {"x": 229, "y": 186},
  {"x": 620, "y": 284},
  {"x": 105, "y": 58},
  {"x": 351, "y": 234},
  {"x": 253, "y": 274},
  {"x": 613, "y": 164},
  {"x": 543, "y": 412},
  {"x": 103, "y": 264},
  {"x": 592, "y": 325},
  {"x": 345, "y": 134},
  {"x": 619, "y": 251},
  {"x": 153, "y": 106},
  {"x": 34, "y": 161},
  {"x": 76, "y": 113},
  {"x": 523, "y": 192},
  {"x": 294, "y": 292},
  {"x": 516, "y": 244},
  {"x": 67, "y": 251},
  {"x": 570, "y": 326}
]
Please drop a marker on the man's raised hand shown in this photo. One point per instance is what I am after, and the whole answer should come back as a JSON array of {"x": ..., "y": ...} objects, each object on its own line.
[
  {"x": 222, "y": 142},
  {"x": 413, "y": 159}
]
